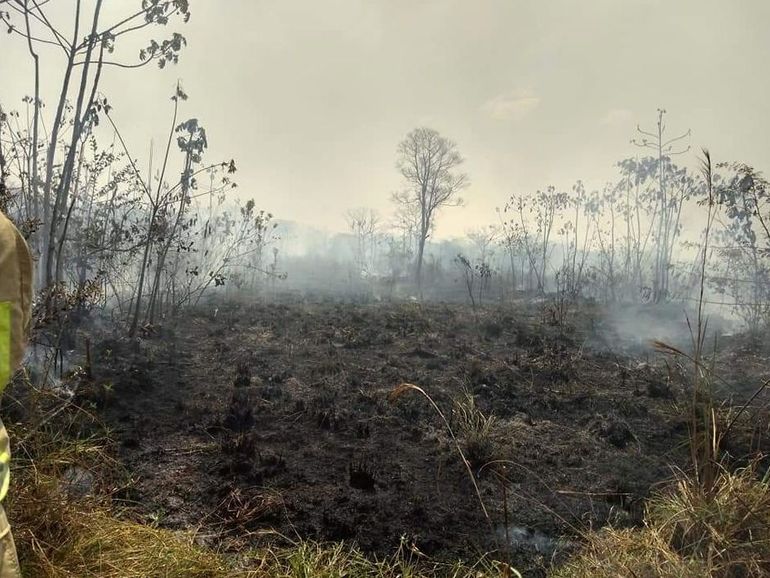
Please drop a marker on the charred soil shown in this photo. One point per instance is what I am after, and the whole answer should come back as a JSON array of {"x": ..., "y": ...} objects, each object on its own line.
[{"x": 258, "y": 423}]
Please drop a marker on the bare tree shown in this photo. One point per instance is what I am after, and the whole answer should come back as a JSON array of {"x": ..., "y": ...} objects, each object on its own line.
[
  {"x": 483, "y": 239},
  {"x": 639, "y": 212},
  {"x": 364, "y": 225},
  {"x": 428, "y": 162},
  {"x": 674, "y": 186},
  {"x": 511, "y": 239},
  {"x": 743, "y": 268},
  {"x": 537, "y": 216},
  {"x": 88, "y": 48}
]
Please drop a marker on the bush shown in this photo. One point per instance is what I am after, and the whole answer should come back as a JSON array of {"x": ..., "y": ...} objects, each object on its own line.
[{"x": 688, "y": 533}]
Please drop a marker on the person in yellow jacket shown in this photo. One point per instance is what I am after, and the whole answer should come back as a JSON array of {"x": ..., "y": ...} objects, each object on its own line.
[{"x": 15, "y": 309}]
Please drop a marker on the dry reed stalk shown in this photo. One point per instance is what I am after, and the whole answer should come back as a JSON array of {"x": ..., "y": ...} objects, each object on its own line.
[{"x": 399, "y": 391}]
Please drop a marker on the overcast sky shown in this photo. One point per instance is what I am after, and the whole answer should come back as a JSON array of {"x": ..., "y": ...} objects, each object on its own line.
[{"x": 312, "y": 97}]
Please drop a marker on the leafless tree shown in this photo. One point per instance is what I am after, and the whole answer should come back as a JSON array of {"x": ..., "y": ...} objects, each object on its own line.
[
  {"x": 483, "y": 239},
  {"x": 429, "y": 164},
  {"x": 537, "y": 215},
  {"x": 87, "y": 48},
  {"x": 674, "y": 186},
  {"x": 364, "y": 224}
]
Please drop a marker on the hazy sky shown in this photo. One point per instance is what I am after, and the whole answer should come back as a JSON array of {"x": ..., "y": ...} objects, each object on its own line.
[{"x": 312, "y": 97}]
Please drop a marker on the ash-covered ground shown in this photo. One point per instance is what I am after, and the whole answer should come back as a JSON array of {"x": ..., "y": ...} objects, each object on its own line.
[{"x": 268, "y": 422}]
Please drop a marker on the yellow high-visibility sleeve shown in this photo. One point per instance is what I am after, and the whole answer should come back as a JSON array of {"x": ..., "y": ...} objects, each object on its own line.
[
  {"x": 15, "y": 297},
  {"x": 15, "y": 312},
  {"x": 5, "y": 343}
]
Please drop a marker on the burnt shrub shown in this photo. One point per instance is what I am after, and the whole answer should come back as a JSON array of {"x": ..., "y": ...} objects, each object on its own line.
[
  {"x": 613, "y": 430},
  {"x": 492, "y": 330},
  {"x": 242, "y": 375},
  {"x": 361, "y": 477},
  {"x": 240, "y": 413},
  {"x": 659, "y": 389}
]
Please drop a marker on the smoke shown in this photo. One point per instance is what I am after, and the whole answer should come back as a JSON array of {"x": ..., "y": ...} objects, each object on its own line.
[{"x": 632, "y": 328}]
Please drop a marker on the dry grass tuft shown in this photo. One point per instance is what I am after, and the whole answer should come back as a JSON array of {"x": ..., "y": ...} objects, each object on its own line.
[
  {"x": 399, "y": 391},
  {"x": 688, "y": 533},
  {"x": 472, "y": 421},
  {"x": 476, "y": 430},
  {"x": 96, "y": 544},
  {"x": 663, "y": 347},
  {"x": 313, "y": 560},
  {"x": 58, "y": 535}
]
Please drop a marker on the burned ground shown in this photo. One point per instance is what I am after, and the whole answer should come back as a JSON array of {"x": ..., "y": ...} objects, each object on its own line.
[{"x": 256, "y": 422}]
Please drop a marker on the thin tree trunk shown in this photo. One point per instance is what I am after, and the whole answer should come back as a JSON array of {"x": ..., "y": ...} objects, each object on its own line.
[
  {"x": 35, "y": 121},
  {"x": 155, "y": 207},
  {"x": 51, "y": 154},
  {"x": 420, "y": 255},
  {"x": 62, "y": 191}
]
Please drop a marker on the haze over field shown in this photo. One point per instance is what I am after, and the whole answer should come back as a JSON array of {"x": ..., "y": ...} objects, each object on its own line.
[
  {"x": 385, "y": 288},
  {"x": 311, "y": 98}
]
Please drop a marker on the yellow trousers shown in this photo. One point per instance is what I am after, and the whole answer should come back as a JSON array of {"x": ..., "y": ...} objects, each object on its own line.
[
  {"x": 15, "y": 305},
  {"x": 9, "y": 563}
]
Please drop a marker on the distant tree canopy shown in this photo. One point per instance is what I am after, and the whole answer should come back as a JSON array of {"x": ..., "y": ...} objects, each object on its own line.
[{"x": 429, "y": 164}]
